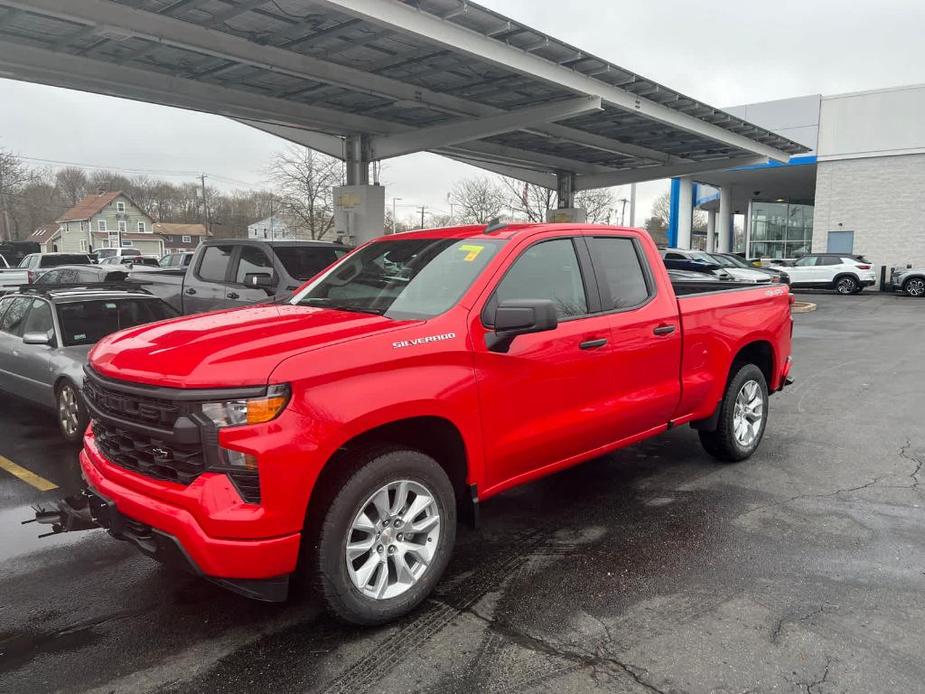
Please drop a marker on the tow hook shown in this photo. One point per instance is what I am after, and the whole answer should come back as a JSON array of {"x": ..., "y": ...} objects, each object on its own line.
[{"x": 66, "y": 515}]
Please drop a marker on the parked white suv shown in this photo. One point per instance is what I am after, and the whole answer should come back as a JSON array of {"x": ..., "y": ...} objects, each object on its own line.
[{"x": 845, "y": 273}]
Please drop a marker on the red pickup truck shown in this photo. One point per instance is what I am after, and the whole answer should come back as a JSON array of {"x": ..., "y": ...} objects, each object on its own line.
[{"x": 336, "y": 437}]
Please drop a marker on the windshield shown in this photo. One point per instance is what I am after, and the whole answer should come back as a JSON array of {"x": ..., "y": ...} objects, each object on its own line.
[
  {"x": 304, "y": 262},
  {"x": 87, "y": 322},
  {"x": 702, "y": 257},
  {"x": 728, "y": 261},
  {"x": 413, "y": 278}
]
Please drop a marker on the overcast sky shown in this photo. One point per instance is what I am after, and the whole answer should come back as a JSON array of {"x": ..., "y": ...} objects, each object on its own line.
[{"x": 723, "y": 52}]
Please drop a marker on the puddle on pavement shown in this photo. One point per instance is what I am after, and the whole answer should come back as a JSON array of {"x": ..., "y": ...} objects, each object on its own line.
[{"x": 17, "y": 540}]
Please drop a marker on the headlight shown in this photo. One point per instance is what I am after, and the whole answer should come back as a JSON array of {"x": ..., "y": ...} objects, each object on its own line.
[{"x": 233, "y": 413}]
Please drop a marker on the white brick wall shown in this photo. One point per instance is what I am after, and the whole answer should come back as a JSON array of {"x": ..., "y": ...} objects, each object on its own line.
[{"x": 880, "y": 199}]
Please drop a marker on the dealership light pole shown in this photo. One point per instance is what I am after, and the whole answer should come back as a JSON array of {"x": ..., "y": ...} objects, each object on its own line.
[{"x": 394, "y": 221}]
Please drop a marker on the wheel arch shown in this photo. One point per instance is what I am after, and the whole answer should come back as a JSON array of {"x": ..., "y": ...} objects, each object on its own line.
[
  {"x": 758, "y": 352},
  {"x": 436, "y": 436},
  {"x": 844, "y": 274}
]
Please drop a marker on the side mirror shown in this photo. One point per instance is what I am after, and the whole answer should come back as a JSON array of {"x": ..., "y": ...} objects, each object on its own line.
[
  {"x": 520, "y": 317},
  {"x": 46, "y": 338},
  {"x": 262, "y": 280}
]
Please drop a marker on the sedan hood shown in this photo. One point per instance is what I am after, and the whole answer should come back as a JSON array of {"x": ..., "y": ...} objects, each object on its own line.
[{"x": 237, "y": 347}]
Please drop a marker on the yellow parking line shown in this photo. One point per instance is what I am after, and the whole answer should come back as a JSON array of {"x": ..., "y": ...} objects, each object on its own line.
[{"x": 26, "y": 476}]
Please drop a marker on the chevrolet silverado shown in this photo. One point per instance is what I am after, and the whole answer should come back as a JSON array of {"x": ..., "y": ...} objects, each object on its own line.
[{"x": 333, "y": 439}]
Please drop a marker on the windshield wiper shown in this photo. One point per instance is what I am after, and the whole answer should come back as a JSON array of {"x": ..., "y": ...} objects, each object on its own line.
[{"x": 323, "y": 302}]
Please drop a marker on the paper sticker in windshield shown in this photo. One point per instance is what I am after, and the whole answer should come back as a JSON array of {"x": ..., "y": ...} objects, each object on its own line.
[
  {"x": 472, "y": 252},
  {"x": 423, "y": 340}
]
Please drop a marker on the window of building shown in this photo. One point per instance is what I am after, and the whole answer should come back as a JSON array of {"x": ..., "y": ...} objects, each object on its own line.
[
  {"x": 548, "y": 270},
  {"x": 624, "y": 277},
  {"x": 123, "y": 226},
  {"x": 128, "y": 244},
  {"x": 83, "y": 244},
  {"x": 780, "y": 229},
  {"x": 120, "y": 206},
  {"x": 187, "y": 239},
  {"x": 101, "y": 225},
  {"x": 142, "y": 228}
]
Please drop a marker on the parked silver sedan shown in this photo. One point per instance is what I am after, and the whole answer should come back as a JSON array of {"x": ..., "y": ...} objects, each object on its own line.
[{"x": 46, "y": 334}]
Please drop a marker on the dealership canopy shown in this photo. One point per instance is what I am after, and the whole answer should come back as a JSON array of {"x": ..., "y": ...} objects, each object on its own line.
[{"x": 366, "y": 80}]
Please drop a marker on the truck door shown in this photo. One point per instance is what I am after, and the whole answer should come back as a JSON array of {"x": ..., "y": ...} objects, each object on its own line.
[
  {"x": 251, "y": 260},
  {"x": 645, "y": 359},
  {"x": 548, "y": 398},
  {"x": 206, "y": 286}
]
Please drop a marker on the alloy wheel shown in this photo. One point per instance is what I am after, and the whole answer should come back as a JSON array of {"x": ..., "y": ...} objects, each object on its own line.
[
  {"x": 392, "y": 539},
  {"x": 915, "y": 287},
  {"x": 846, "y": 285},
  {"x": 748, "y": 413},
  {"x": 68, "y": 410}
]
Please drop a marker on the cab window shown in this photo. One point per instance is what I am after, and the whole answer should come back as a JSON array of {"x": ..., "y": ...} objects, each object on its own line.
[
  {"x": 14, "y": 318},
  {"x": 214, "y": 264},
  {"x": 252, "y": 260},
  {"x": 547, "y": 270},
  {"x": 39, "y": 319}
]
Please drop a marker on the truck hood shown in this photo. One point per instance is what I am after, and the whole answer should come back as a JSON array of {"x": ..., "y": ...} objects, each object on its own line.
[{"x": 237, "y": 347}]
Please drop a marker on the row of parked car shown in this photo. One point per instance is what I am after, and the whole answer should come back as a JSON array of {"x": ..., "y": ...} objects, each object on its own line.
[{"x": 842, "y": 273}]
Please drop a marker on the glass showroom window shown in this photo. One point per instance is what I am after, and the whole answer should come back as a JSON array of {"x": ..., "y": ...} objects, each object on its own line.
[{"x": 780, "y": 230}]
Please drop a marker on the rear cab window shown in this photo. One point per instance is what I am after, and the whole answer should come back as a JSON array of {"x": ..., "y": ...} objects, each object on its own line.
[{"x": 304, "y": 262}]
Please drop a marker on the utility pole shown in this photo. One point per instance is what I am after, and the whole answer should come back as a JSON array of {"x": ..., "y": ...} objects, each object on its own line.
[
  {"x": 624, "y": 201},
  {"x": 422, "y": 216},
  {"x": 205, "y": 206}
]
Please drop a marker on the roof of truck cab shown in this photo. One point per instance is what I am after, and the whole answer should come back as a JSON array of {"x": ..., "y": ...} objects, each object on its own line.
[{"x": 507, "y": 232}]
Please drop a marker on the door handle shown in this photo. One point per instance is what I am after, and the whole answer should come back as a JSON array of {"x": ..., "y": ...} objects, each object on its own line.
[
  {"x": 190, "y": 291},
  {"x": 593, "y": 344},
  {"x": 664, "y": 330},
  {"x": 234, "y": 295}
]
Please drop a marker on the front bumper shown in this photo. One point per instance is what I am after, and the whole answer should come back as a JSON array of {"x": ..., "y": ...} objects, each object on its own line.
[{"x": 256, "y": 567}]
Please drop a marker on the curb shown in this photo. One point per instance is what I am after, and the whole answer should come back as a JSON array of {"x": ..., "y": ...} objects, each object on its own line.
[{"x": 803, "y": 307}]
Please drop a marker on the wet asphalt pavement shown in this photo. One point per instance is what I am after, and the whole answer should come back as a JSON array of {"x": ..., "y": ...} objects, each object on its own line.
[{"x": 651, "y": 570}]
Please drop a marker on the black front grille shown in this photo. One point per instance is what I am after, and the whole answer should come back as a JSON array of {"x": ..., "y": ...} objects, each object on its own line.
[
  {"x": 162, "y": 433},
  {"x": 145, "y": 410},
  {"x": 149, "y": 455}
]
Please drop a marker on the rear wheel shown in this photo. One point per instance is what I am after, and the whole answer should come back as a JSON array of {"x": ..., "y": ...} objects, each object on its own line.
[
  {"x": 742, "y": 419},
  {"x": 914, "y": 286},
  {"x": 72, "y": 416},
  {"x": 386, "y": 537},
  {"x": 847, "y": 285}
]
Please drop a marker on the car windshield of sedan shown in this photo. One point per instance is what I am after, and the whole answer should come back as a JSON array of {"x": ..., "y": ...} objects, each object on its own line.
[
  {"x": 409, "y": 278},
  {"x": 729, "y": 261},
  {"x": 87, "y": 322}
]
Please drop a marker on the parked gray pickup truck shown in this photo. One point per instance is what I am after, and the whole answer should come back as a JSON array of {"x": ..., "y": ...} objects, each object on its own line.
[{"x": 229, "y": 273}]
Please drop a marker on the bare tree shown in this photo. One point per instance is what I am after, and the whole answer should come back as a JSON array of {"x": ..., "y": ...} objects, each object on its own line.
[
  {"x": 661, "y": 215},
  {"x": 598, "y": 203},
  {"x": 14, "y": 176},
  {"x": 71, "y": 184},
  {"x": 479, "y": 199},
  {"x": 528, "y": 199},
  {"x": 304, "y": 182}
]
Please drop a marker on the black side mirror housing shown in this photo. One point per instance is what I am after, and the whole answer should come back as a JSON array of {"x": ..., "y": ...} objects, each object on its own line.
[
  {"x": 262, "y": 280},
  {"x": 520, "y": 317}
]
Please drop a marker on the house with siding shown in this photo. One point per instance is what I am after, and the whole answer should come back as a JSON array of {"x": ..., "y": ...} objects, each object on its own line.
[
  {"x": 102, "y": 220},
  {"x": 181, "y": 237}
]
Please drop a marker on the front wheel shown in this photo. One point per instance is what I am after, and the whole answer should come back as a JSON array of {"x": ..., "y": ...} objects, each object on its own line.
[
  {"x": 743, "y": 417},
  {"x": 386, "y": 537},
  {"x": 847, "y": 285},
  {"x": 72, "y": 416},
  {"x": 914, "y": 286}
]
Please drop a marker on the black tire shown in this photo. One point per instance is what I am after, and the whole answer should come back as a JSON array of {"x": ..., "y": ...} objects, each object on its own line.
[
  {"x": 68, "y": 399},
  {"x": 723, "y": 444},
  {"x": 371, "y": 470},
  {"x": 846, "y": 284},
  {"x": 914, "y": 286}
]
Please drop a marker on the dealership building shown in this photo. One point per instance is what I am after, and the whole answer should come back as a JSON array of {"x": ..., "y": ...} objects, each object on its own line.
[{"x": 861, "y": 189}]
